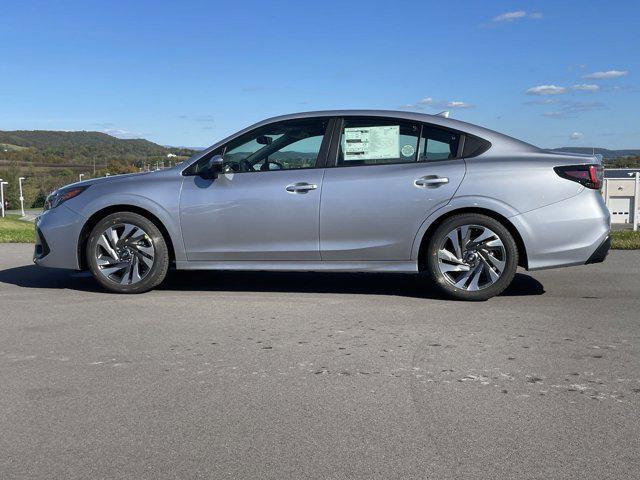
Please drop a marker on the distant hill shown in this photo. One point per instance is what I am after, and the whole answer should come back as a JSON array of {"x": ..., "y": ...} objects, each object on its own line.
[
  {"x": 69, "y": 149},
  {"x": 603, "y": 151},
  {"x": 62, "y": 142}
]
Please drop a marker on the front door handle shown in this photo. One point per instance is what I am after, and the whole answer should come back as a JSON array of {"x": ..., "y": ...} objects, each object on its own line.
[
  {"x": 300, "y": 187},
  {"x": 430, "y": 181}
]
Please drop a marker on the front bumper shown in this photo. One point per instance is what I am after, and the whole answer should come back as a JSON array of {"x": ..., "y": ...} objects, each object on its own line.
[
  {"x": 57, "y": 234},
  {"x": 42, "y": 247}
]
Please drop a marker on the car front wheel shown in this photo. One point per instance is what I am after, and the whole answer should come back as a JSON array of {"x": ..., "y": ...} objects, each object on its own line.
[
  {"x": 127, "y": 253},
  {"x": 472, "y": 257}
]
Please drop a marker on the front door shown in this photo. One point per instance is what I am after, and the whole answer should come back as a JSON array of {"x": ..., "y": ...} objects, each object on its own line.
[
  {"x": 265, "y": 205},
  {"x": 389, "y": 176}
]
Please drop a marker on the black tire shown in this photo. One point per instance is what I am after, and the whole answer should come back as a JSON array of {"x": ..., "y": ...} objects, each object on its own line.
[
  {"x": 439, "y": 236},
  {"x": 155, "y": 274}
]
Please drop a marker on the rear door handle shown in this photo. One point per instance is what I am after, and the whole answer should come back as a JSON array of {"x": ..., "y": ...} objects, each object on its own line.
[
  {"x": 430, "y": 181},
  {"x": 300, "y": 187}
]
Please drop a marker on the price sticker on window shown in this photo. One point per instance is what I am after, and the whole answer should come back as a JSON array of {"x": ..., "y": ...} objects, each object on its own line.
[{"x": 371, "y": 143}]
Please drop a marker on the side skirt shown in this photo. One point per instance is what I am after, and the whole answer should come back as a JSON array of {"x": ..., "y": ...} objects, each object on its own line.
[{"x": 302, "y": 266}]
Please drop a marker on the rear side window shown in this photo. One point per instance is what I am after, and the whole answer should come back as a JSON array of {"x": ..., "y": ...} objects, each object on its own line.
[
  {"x": 437, "y": 144},
  {"x": 367, "y": 141}
]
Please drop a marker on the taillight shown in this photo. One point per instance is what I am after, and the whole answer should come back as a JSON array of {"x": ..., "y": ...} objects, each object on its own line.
[{"x": 588, "y": 175}]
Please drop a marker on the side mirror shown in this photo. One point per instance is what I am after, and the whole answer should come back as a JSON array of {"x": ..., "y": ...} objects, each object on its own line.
[
  {"x": 213, "y": 168},
  {"x": 264, "y": 140}
]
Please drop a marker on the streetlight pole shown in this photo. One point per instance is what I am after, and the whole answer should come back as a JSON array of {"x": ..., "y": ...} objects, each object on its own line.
[
  {"x": 2, "y": 184},
  {"x": 80, "y": 177},
  {"x": 636, "y": 202},
  {"x": 21, "y": 196}
]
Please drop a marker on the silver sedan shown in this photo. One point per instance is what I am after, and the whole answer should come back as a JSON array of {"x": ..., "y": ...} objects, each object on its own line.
[{"x": 366, "y": 191}]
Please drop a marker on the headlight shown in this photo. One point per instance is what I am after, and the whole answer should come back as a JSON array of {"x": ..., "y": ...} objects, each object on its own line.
[{"x": 60, "y": 196}]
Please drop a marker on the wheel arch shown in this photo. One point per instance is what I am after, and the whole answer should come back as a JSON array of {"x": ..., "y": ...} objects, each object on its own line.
[
  {"x": 522, "y": 251},
  {"x": 93, "y": 220}
]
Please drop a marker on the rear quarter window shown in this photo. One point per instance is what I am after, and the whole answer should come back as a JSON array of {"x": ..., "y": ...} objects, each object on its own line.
[{"x": 474, "y": 146}]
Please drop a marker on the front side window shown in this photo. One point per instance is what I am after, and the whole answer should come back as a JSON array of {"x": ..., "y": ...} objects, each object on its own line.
[
  {"x": 371, "y": 141},
  {"x": 437, "y": 144},
  {"x": 285, "y": 145}
]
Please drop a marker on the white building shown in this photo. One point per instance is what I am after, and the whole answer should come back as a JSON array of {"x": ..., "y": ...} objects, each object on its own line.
[{"x": 621, "y": 192}]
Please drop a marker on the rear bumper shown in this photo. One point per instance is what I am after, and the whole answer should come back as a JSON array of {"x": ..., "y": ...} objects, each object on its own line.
[
  {"x": 601, "y": 252},
  {"x": 56, "y": 238},
  {"x": 574, "y": 231}
]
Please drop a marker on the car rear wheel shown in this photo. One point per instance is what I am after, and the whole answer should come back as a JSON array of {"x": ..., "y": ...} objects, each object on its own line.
[
  {"x": 472, "y": 257},
  {"x": 127, "y": 253}
]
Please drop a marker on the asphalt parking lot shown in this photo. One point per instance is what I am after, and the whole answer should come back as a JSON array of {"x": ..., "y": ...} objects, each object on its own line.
[{"x": 265, "y": 375}]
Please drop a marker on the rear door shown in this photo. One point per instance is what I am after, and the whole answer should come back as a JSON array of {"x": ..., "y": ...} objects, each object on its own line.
[{"x": 387, "y": 176}]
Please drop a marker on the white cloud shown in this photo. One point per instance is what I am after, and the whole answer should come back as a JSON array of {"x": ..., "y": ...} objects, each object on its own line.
[
  {"x": 456, "y": 104},
  {"x": 608, "y": 74},
  {"x": 438, "y": 104},
  {"x": 545, "y": 90},
  {"x": 411, "y": 106},
  {"x": 576, "y": 135},
  {"x": 511, "y": 16},
  {"x": 586, "y": 87}
]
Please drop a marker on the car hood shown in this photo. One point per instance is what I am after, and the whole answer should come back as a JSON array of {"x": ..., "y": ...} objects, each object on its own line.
[
  {"x": 110, "y": 178},
  {"x": 127, "y": 177}
]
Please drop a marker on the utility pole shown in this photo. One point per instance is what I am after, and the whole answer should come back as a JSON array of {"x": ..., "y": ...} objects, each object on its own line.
[
  {"x": 21, "y": 196},
  {"x": 2, "y": 184}
]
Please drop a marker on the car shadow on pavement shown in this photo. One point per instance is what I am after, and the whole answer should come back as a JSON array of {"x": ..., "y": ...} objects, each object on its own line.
[{"x": 404, "y": 285}]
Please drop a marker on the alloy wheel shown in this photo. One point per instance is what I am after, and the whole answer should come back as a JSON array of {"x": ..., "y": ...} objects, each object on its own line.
[
  {"x": 472, "y": 257},
  {"x": 124, "y": 254}
]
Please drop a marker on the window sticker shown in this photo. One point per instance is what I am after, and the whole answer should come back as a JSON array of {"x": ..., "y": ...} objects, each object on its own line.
[
  {"x": 407, "y": 151},
  {"x": 371, "y": 143}
]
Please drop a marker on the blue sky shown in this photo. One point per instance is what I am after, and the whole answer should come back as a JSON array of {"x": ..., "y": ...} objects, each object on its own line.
[{"x": 190, "y": 72}]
